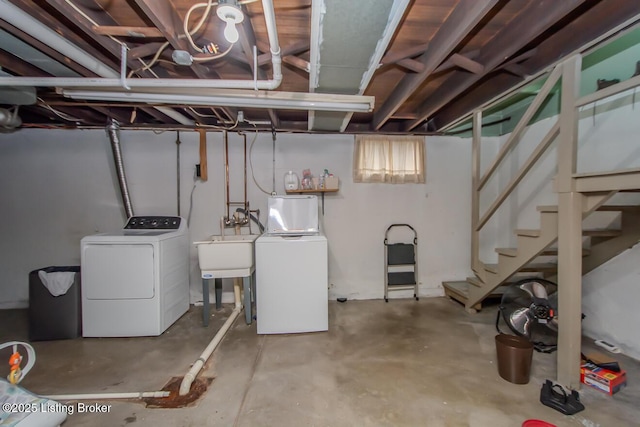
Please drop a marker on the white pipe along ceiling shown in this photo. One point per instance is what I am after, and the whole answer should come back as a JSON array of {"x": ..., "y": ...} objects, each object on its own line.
[
  {"x": 114, "y": 86},
  {"x": 346, "y": 51},
  {"x": 25, "y": 22}
]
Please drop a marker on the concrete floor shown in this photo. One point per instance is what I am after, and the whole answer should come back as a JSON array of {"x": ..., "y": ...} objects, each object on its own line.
[{"x": 405, "y": 363}]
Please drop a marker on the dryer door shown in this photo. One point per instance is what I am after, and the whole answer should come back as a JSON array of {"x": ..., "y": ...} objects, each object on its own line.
[{"x": 118, "y": 271}]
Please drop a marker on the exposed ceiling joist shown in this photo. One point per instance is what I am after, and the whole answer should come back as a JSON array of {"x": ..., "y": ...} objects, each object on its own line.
[
  {"x": 166, "y": 19},
  {"x": 392, "y": 58},
  {"x": 538, "y": 17},
  {"x": 610, "y": 13},
  {"x": 412, "y": 64},
  {"x": 121, "y": 31},
  {"x": 437, "y": 60},
  {"x": 463, "y": 19},
  {"x": 467, "y": 64}
]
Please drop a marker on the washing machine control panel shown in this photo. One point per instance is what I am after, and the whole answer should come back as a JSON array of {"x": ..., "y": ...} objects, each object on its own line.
[{"x": 153, "y": 223}]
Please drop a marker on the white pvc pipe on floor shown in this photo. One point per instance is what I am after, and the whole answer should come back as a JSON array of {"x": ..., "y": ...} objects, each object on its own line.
[
  {"x": 190, "y": 377},
  {"x": 94, "y": 396}
]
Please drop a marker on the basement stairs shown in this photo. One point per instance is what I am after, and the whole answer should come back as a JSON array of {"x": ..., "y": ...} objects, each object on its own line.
[{"x": 599, "y": 246}]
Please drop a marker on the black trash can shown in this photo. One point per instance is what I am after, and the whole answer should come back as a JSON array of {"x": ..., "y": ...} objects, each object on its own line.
[{"x": 54, "y": 317}]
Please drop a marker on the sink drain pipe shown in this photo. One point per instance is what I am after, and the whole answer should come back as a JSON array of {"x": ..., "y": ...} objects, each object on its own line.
[
  {"x": 190, "y": 377},
  {"x": 109, "y": 396}
]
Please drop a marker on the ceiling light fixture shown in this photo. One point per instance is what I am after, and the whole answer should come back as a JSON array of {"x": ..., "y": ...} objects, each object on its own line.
[
  {"x": 252, "y": 99},
  {"x": 229, "y": 11}
]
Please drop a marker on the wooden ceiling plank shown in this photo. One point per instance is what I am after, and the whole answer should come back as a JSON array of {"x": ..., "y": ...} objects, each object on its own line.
[
  {"x": 467, "y": 64},
  {"x": 120, "y": 116},
  {"x": 462, "y": 20},
  {"x": 602, "y": 17},
  {"x": 528, "y": 25},
  {"x": 116, "y": 30},
  {"x": 528, "y": 54},
  {"x": 448, "y": 64},
  {"x": 164, "y": 16},
  {"x": 516, "y": 70},
  {"x": 412, "y": 65},
  {"x": 291, "y": 50},
  {"x": 86, "y": 26},
  {"x": 144, "y": 50},
  {"x": 392, "y": 58},
  {"x": 299, "y": 63}
]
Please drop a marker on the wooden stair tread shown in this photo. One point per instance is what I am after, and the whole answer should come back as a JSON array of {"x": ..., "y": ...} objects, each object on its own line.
[
  {"x": 513, "y": 252},
  {"x": 603, "y": 208},
  {"x": 602, "y": 233},
  {"x": 529, "y": 268},
  {"x": 459, "y": 290},
  {"x": 606, "y": 173},
  {"x": 616, "y": 208},
  {"x": 527, "y": 232},
  {"x": 475, "y": 281},
  {"x": 590, "y": 233}
]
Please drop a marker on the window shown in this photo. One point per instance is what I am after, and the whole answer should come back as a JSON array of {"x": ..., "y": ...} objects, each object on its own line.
[{"x": 389, "y": 158}]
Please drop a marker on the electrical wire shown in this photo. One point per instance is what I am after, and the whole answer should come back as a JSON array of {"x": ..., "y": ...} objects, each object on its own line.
[
  {"x": 193, "y": 189},
  {"x": 253, "y": 176},
  {"x": 235, "y": 125},
  {"x": 62, "y": 115},
  {"x": 193, "y": 110},
  {"x": 211, "y": 58},
  {"x": 154, "y": 60}
]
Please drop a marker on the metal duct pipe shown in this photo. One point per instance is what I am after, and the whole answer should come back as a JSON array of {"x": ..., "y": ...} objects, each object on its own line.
[
  {"x": 8, "y": 119},
  {"x": 113, "y": 131}
]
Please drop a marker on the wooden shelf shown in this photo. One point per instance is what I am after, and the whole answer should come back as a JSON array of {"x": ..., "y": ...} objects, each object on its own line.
[{"x": 319, "y": 190}]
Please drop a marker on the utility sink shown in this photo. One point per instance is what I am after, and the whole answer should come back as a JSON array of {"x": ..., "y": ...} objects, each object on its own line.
[{"x": 231, "y": 252}]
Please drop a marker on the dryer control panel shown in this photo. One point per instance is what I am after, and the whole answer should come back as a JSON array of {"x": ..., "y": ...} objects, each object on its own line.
[{"x": 153, "y": 223}]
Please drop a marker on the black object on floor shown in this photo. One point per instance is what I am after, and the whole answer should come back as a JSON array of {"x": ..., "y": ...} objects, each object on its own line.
[
  {"x": 54, "y": 318},
  {"x": 568, "y": 404}
]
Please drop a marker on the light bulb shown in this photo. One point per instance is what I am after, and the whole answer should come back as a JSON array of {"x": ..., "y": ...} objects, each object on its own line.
[{"x": 231, "y": 32}]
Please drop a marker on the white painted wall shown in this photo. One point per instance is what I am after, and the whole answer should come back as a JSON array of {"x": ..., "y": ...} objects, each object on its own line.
[
  {"x": 607, "y": 140},
  {"x": 58, "y": 186}
]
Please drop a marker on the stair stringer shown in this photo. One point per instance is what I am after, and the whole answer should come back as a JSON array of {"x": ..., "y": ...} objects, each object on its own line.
[
  {"x": 604, "y": 251},
  {"x": 528, "y": 248}
]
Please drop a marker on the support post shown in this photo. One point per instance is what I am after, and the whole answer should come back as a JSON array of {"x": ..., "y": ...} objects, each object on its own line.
[
  {"x": 570, "y": 205},
  {"x": 475, "y": 192}
]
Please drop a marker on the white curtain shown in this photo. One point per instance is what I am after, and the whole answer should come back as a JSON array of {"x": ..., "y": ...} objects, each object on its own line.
[{"x": 389, "y": 158}]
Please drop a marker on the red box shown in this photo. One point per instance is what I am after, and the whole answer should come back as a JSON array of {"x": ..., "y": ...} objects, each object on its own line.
[{"x": 602, "y": 379}]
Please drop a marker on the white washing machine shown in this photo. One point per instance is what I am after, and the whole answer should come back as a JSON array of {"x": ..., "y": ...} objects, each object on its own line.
[
  {"x": 135, "y": 281},
  {"x": 292, "y": 269}
]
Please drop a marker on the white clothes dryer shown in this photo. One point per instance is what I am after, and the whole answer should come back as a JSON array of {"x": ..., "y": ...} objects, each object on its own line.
[{"x": 135, "y": 281}]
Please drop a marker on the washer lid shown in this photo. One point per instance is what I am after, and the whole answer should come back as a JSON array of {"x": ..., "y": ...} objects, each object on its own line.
[{"x": 297, "y": 215}]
